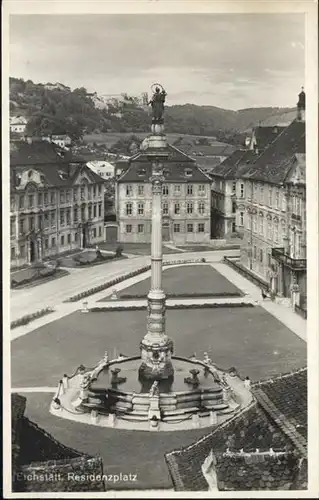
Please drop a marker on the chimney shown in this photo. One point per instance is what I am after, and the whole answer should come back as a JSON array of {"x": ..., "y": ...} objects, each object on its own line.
[{"x": 301, "y": 106}]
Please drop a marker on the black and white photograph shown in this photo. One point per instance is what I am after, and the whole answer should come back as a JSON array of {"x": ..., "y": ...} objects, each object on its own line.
[{"x": 160, "y": 325}]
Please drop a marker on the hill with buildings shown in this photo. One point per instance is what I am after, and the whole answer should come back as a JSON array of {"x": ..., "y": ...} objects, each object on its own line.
[{"x": 55, "y": 108}]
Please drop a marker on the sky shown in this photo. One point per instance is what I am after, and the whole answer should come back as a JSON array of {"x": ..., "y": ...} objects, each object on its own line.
[{"x": 232, "y": 61}]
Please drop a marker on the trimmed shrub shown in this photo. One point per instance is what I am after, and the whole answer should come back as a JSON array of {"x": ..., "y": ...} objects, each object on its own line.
[{"x": 30, "y": 317}]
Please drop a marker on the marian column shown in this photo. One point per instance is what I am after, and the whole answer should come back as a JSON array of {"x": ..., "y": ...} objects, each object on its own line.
[{"x": 156, "y": 347}]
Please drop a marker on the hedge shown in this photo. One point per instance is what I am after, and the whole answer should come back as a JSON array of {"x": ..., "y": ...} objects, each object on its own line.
[
  {"x": 128, "y": 296},
  {"x": 174, "y": 306},
  {"x": 30, "y": 317}
]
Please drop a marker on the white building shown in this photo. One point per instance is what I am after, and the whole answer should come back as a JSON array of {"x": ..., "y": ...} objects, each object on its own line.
[
  {"x": 18, "y": 124},
  {"x": 104, "y": 169}
]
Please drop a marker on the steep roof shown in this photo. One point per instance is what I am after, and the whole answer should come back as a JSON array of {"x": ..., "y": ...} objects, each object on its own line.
[
  {"x": 140, "y": 169},
  {"x": 274, "y": 163},
  {"x": 231, "y": 166},
  {"x": 255, "y": 431},
  {"x": 266, "y": 135}
]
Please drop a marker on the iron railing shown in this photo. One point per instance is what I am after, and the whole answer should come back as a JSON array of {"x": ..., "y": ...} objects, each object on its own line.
[{"x": 296, "y": 264}]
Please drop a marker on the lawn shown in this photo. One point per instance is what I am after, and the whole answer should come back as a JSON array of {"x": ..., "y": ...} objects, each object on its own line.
[
  {"x": 250, "y": 339},
  {"x": 140, "y": 453},
  {"x": 180, "y": 280}
]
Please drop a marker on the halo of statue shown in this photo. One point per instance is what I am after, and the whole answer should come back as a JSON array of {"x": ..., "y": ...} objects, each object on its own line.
[{"x": 153, "y": 87}]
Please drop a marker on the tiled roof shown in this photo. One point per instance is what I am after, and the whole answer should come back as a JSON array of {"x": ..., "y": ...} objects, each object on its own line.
[
  {"x": 255, "y": 471},
  {"x": 232, "y": 166},
  {"x": 266, "y": 135},
  {"x": 284, "y": 398},
  {"x": 37, "y": 454},
  {"x": 274, "y": 163},
  {"x": 140, "y": 168},
  {"x": 38, "y": 152},
  {"x": 263, "y": 428}
]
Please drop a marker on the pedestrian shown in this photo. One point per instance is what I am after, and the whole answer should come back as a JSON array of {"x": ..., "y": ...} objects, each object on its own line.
[{"x": 247, "y": 383}]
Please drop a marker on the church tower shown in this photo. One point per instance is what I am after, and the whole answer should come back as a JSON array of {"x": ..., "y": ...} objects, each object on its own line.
[{"x": 301, "y": 106}]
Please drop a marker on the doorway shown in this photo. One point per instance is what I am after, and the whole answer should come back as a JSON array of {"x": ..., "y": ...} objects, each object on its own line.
[
  {"x": 165, "y": 232},
  {"x": 32, "y": 251},
  {"x": 84, "y": 234}
]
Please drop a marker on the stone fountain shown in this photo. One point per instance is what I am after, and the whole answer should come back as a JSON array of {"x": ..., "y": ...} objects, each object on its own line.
[{"x": 156, "y": 390}]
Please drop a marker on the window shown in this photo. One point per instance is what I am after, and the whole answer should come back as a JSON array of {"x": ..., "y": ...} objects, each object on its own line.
[
  {"x": 298, "y": 206},
  {"x": 90, "y": 212},
  {"x": 40, "y": 196},
  {"x": 270, "y": 196},
  {"x": 177, "y": 228},
  {"x": 46, "y": 220},
  {"x": 22, "y": 251},
  {"x": 100, "y": 189},
  {"x": 165, "y": 190},
  {"x": 100, "y": 231},
  {"x": 234, "y": 187},
  {"x": 52, "y": 198},
  {"x": 276, "y": 231},
  {"x": 94, "y": 232},
  {"x": 75, "y": 215},
  {"x": 177, "y": 209},
  {"x": 82, "y": 193},
  {"x": 140, "y": 228},
  {"x": 62, "y": 196},
  {"x": 129, "y": 190},
  {"x": 269, "y": 259},
  {"x": 83, "y": 214},
  {"x": 249, "y": 222},
  {"x": 100, "y": 209},
  {"x": 277, "y": 198},
  {"x": 95, "y": 188},
  {"x": 90, "y": 192},
  {"x": 201, "y": 189},
  {"x": 31, "y": 200},
  {"x": 94, "y": 211},
  {"x": 53, "y": 243},
  {"x": 62, "y": 239},
  {"x": 201, "y": 227},
  {"x": 261, "y": 255},
  {"x": 128, "y": 228},
  {"x": 12, "y": 226},
  {"x": 189, "y": 188},
  {"x": 255, "y": 252},
  {"x": 177, "y": 188},
  {"x": 189, "y": 208},
  {"x": 69, "y": 238},
  {"x": 190, "y": 228},
  {"x": 140, "y": 209},
  {"x": 62, "y": 218},
  {"x": 233, "y": 227},
  {"x": 269, "y": 230},
  {"x": 165, "y": 208},
  {"x": 68, "y": 196},
  {"x": 261, "y": 226},
  {"x": 233, "y": 208},
  {"x": 68, "y": 217},
  {"x": 262, "y": 194},
  {"x": 21, "y": 201},
  {"x": 140, "y": 190},
  {"x": 201, "y": 207},
  {"x": 46, "y": 243},
  {"x": 75, "y": 194},
  {"x": 128, "y": 208},
  {"x": 52, "y": 219},
  {"x": 241, "y": 218},
  {"x": 283, "y": 203},
  {"x": 242, "y": 190},
  {"x": 255, "y": 223},
  {"x": 75, "y": 237},
  {"x": 31, "y": 223},
  {"x": 13, "y": 253}
]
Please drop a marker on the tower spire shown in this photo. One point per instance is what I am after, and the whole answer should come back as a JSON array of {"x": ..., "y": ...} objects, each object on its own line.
[{"x": 301, "y": 105}]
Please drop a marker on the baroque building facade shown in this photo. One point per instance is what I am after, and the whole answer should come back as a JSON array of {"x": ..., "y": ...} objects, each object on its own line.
[
  {"x": 56, "y": 204},
  {"x": 186, "y": 201}
]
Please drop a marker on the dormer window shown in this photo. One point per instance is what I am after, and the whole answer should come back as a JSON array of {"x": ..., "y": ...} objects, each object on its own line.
[
  {"x": 141, "y": 172},
  {"x": 188, "y": 172},
  {"x": 63, "y": 175}
]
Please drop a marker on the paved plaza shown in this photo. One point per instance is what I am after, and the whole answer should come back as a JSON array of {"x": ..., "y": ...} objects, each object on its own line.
[{"x": 260, "y": 341}]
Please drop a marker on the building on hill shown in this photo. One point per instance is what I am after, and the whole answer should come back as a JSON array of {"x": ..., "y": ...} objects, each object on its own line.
[
  {"x": 263, "y": 447},
  {"x": 40, "y": 464},
  {"x": 186, "y": 200},
  {"x": 61, "y": 140},
  {"x": 18, "y": 124},
  {"x": 56, "y": 203},
  {"x": 272, "y": 214}
]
